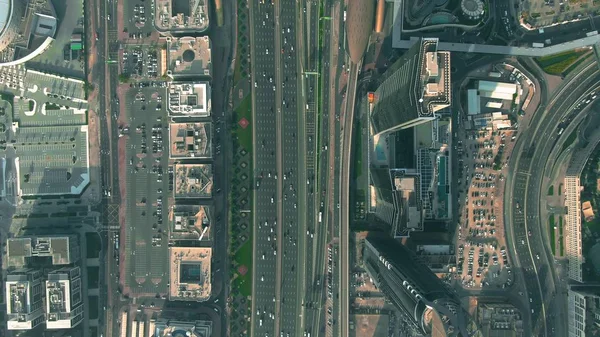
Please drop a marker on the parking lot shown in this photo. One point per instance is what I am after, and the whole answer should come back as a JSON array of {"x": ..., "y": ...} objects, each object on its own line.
[
  {"x": 481, "y": 257},
  {"x": 138, "y": 16},
  {"x": 139, "y": 62},
  {"x": 149, "y": 195},
  {"x": 546, "y": 12}
]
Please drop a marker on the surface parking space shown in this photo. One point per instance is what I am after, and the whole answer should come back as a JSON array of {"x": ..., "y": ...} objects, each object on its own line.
[
  {"x": 148, "y": 193},
  {"x": 140, "y": 62},
  {"x": 546, "y": 12},
  {"x": 138, "y": 18},
  {"x": 482, "y": 257},
  {"x": 55, "y": 86}
]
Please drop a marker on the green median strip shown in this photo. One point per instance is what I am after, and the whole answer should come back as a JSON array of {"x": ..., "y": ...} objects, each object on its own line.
[
  {"x": 552, "y": 233},
  {"x": 561, "y": 239}
]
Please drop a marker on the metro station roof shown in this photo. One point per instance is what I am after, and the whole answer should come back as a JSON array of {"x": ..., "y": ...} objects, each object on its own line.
[
  {"x": 359, "y": 26},
  {"x": 5, "y": 10}
]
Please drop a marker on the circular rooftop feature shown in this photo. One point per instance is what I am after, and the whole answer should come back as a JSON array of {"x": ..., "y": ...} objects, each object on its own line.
[
  {"x": 188, "y": 55},
  {"x": 27, "y": 28},
  {"x": 472, "y": 8}
]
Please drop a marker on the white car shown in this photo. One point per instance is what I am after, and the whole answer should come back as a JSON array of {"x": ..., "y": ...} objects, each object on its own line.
[
  {"x": 267, "y": 51},
  {"x": 272, "y": 201}
]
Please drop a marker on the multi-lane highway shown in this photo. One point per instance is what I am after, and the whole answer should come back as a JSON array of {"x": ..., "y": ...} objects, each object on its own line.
[
  {"x": 280, "y": 168},
  {"x": 266, "y": 222},
  {"x": 530, "y": 252}
]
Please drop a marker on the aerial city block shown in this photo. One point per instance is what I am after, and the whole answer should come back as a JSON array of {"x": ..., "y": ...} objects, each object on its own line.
[{"x": 300, "y": 168}]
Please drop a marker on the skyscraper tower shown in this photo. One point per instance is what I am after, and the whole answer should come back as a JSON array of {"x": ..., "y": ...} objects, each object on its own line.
[
  {"x": 413, "y": 88},
  {"x": 429, "y": 304}
]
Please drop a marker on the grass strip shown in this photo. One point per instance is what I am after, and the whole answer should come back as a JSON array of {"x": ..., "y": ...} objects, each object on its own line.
[{"x": 552, "y": 233}]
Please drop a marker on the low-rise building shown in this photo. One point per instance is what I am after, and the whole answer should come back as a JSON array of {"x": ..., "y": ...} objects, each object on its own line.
[
  {"x": 171, "y": 327},
  {"x": 59, "y": 249},
  {"x": 193, "y": 181},
  {"x": 190, "y": 140},
  {"x": 190, "y": 273},
  {"x": 188, "y": 56},
  {"x": 189, "y": 99}
]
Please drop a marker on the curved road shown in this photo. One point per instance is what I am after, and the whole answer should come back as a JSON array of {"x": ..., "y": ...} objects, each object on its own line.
[{"x": 522, "y": 199}]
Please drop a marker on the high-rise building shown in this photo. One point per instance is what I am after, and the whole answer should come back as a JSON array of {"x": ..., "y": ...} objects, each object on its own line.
[
  {"x": 413, "y": 88},
  {"x": 414, "y": 289},
  {"x": 60, "y": 249},
  {"x": 24, "y": 299},
  {"x": 398, "y": 200},
  {"x": 584, "y": 308},
  {"x": 64, "y": 301}
]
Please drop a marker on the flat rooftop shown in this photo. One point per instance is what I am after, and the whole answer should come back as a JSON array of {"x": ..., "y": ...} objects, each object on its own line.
[
  {"x": 190, "y": 99},
  {"x": 58, "y": 248},
  {"x": 189, "y": 222},
  {"x": 190, "y": 278},
  {"x": 189, "y": 56},
  {"x": 182, "y": 15},
  {"x": 193, "y": 180},
  {"x": 52, "y": 160},
  {"x": 190, "y": 140}
]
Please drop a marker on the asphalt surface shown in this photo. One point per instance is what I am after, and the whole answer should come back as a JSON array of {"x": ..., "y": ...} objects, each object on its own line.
[
  {"x": 284, "y": 137},
  {"x": 532, "y": 254},
  {"x": 266, "y": 222},
  {"x": 105, "y": 78},
  {"x": 223, "y": 39}
]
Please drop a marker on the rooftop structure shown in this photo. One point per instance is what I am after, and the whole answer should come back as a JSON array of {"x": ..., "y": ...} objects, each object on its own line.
[
  {"x": 193, "y": 181},
  {"x": 190, "y": 140},
  {"x": 62, "y": 250},
  {"x": 52, "y": 160},
  {"x": 189, "y": 56},
  {"x": 359, "y": 27},
  {"x": 412, "y": 89},
  {"x": 24, "y": 299},
  {"x": 584, "y": 309},
  {"x": 572, "y": 231},
  {"x": 189, "y": 99},
  {"x": 27, "y": 29},
  {"x": 413, "y": 289},
  {"x": 175, "y": 328},
  {"x": 474, "y": 9},
  {"x": 182, "y": 15},
  {"x": 499, "y": 320},
  {"x": 64, "y": 300},
  {"x": 190, "y": 274},
  {"x": 588, "y": 211},
  {"x": 189, "y": 222},
  {"x": 398, "y": 200},
  {"x": 497, "y": 90}
]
